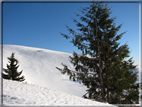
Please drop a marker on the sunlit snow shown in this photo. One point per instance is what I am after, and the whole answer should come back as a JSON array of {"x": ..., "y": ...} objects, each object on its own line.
[
  {"x": 44, "y": 84},
  {"x": 27, "y": 94}
]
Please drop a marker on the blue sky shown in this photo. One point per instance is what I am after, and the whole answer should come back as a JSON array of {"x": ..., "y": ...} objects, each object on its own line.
[{"x": 39, "y": 25}]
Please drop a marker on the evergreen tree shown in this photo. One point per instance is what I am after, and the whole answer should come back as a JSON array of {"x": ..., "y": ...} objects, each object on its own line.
[
  {"x": 104, "y": 66},
  {"x": 11, "y": 72}
]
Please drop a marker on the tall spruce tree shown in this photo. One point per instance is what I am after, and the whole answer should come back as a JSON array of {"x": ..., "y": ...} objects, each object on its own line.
[
  {"x": 11, "y": 72},
  {"x": 104, "y": 66}
]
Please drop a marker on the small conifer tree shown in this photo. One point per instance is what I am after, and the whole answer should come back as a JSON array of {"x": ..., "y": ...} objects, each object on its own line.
[{"x": 11, "y": 72}]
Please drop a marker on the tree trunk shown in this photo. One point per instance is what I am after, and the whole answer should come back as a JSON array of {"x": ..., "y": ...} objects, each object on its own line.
[{"x": 100, "y": 67}]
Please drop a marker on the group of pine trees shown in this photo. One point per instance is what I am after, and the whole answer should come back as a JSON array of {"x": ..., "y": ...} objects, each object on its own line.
[
  {"x": 11, "y": 73},
  {"x": 104, "y": 66}
]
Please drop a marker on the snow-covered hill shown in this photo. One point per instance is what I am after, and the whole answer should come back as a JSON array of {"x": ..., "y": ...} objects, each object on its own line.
[
  {"x": 39, "y": 68},
  {"x": 16, "y": 93},
  {"x": 44, "y": 84}
]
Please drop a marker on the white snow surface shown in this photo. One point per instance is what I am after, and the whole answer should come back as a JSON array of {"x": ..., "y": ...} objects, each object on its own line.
[
  {"x": 16, "y": 93},
  {"x": 45, "y": 85}
]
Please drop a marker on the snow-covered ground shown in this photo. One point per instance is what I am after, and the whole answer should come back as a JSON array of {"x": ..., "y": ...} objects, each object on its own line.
[
  {"x": 45, "y": 84},
  {"x": 27, "y": 94}
]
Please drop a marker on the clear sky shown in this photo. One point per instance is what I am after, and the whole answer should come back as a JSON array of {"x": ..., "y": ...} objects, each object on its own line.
[{"x": 39, "y": 25}]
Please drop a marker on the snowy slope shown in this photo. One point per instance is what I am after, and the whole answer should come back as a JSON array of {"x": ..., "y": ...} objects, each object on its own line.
[
  {"x": 44, "y": 84},
  {"x": 17, "y": 93},
  {"x": 38, "y": 67}
]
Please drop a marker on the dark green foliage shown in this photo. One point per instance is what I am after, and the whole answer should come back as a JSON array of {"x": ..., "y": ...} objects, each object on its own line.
[
  {"x": 103, "y": 66},
  {"x": 11, "y": 72}
]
